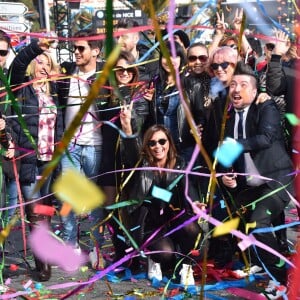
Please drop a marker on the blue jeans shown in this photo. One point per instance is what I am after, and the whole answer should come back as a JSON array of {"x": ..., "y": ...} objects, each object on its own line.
[
  {"x": 28, "y": 189},
  {"x": 86, "y": 159},
  {"x": 12, "y": 192}
]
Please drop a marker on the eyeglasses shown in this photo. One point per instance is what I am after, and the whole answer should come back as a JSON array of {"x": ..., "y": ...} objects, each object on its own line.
[
  {"x": 153, "y": 143},
  {"x": 79, "y": 48},
  {"x": 3, "y": 52},
  {"x": 122, "y": 70},
  {"x": 202, "y": 58},
  {"x": 224, "y": 65}
]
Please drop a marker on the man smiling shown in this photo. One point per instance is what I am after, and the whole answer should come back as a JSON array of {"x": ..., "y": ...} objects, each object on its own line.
[{"x": 258, "y": 129}]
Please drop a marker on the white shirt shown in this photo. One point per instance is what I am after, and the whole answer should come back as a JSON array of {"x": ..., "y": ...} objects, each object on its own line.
[
  {"x": 87, "y": 133},
  {"x": 250, "y": 167}
]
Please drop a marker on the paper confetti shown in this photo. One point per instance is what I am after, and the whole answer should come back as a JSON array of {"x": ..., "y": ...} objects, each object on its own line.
[
  {"x": 228, "y": 152},
  {"x": 292, "y": 118},
  {"x": 226, "y": 227},
  {"x": 49, "y": 249},
  {"x": 161, "y": 194},
  {"x": 250, "y": 225},
  {"x": 77, "y": 190}
]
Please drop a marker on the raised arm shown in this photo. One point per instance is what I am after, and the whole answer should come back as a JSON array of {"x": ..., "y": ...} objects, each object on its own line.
[
  {"x": 20, "y": 63},
  {"x": 276, "y": 81}
]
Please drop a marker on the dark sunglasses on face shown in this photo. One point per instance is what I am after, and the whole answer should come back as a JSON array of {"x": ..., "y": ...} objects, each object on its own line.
[
  {"x": 121, "y": 70},
  {"x": 224, "y": 65},
  {"x": 202, "y": 58},
  {"x": 153, "y": 143},
  {"x": 3, "y": 52},
  {"x": 79, "y": 48}
]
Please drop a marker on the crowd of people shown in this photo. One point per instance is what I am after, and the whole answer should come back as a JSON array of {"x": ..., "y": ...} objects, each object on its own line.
[{"x": 232, "y": 87}]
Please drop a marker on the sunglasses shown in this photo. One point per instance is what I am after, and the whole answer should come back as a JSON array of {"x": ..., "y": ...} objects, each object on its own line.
[
  {"x": 202, "y": 58},
  {"x": 224, "y": 65},
  {"x": 3, "y": 52},
  {"x": 150, "y": 32},
  {"x": 153, "y": 143},
  {"x": 79, "y": 48},
  {"x": 121, "y": 70}
]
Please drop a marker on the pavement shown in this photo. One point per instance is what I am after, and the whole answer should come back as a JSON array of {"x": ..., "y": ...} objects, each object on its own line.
[{"x": 19, "y": 277}]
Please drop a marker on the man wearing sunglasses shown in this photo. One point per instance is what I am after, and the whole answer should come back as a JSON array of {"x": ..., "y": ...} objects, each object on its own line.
[
  {"x": 130, "y": 41},
  {"x": 85, "y": 149}
]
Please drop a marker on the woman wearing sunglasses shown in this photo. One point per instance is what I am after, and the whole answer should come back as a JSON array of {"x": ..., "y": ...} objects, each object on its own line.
[
  {"x": 154, "y": 214},
  {"x": 167, "y": 107},
  {"x": 125, "y": 77},
  {"x": 124, "y": 89},
  {"x": 38, "y": 104}
]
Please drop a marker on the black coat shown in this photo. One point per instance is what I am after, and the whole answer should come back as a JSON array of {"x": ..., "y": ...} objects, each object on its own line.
[
  {"x": 142, "y": 181},
  {"x": 265, "y": 143},
  {"x": 29, "y": 106}
]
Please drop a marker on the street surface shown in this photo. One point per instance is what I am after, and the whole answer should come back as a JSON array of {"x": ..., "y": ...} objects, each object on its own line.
[{"x": 20, "y": 279}]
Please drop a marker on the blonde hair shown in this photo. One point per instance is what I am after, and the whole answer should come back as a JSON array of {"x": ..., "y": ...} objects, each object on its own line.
[{"x": 53, "y": 69}]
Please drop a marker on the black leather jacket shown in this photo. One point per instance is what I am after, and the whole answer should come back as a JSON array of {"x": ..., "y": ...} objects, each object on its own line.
[{"x": 142, "y": 181}]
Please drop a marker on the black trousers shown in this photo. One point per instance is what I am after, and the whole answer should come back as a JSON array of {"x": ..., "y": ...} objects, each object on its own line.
[{"x": 263, "y": 212}]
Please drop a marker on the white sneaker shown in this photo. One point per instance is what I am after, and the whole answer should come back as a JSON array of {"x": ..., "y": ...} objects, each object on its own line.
[
  {"x": 244, "y": 273},
  {"x": 186, "y": 273},
  {"x": 154, "y": 270},
  {"x": 3, "y": 288},
  {"x": 274, "y": 290},
  {"x": 96, "y": 259},
  {"x": 77, "y": 249}
]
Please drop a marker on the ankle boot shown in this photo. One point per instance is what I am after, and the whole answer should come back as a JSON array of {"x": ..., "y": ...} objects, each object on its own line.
[{"x": 43, "y": 269}]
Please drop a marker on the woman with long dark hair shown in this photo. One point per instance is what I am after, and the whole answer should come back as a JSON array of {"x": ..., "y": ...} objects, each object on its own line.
[{"x": 158, "y": 150}]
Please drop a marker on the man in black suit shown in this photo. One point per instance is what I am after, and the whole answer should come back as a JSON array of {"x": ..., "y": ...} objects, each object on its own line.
[{"x": 257, "y": 128}]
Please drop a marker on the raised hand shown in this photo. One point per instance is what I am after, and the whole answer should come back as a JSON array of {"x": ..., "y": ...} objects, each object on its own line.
[
  {"x": 125, "y": 118},
  {"x": 238, "y": 19},
  {"x": 220, "y": 24},
  {"x": 282, "y": 42}
]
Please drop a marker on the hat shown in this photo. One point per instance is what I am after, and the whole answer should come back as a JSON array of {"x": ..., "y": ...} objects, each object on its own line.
[{"x": 183, "y": 37}]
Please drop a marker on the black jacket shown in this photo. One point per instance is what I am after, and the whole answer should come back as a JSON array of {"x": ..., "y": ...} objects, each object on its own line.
[
  {"x": 281, "y": 80},
  {"x": 265, "y": 143},
  {"x": 197, "y": 90},
  {"x": 5, "y": 109},
  {"x": 142, "y": 181},
  {"x": 29, "y": 106}
]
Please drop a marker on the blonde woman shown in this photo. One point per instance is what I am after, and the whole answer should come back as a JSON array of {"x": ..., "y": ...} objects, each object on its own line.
[{"x": 38, "y": 104}]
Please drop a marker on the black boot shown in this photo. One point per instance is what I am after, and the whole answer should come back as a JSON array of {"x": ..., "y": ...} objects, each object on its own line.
[{"x": 43, "y": 269}]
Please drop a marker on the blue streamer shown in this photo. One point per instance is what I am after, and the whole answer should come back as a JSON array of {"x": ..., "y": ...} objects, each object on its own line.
[
  {"x": 121, "y": 132},
  {"x": 210, "y": 2},
  {"x": 272, "y": 229},
  {"x": 276, "y": 24}
]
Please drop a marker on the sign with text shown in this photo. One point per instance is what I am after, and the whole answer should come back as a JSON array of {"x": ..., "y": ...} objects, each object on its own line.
[
  {"x": 135, "y": 14},
  {"x": 9, "y": 8},
  {"x": 14, "y": 26}
]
